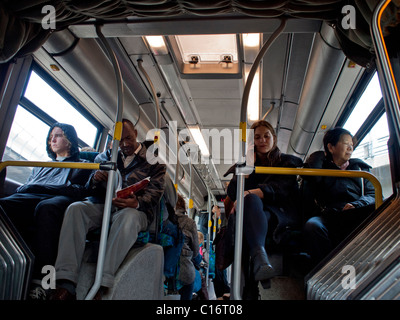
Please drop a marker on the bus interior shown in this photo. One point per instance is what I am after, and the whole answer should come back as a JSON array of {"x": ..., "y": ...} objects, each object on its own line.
[{"x": 184, "y": 66}]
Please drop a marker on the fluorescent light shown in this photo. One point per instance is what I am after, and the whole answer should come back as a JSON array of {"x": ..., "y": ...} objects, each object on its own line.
[
  {"x": 253, "y": 104},
  {"x": 199, "y": 139},
  {"x": 157, "y": 44},
  {"x": 251, "y": 39}
]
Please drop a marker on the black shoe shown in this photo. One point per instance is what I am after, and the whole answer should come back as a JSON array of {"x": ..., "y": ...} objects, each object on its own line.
[{"x": 262, "y": 269}]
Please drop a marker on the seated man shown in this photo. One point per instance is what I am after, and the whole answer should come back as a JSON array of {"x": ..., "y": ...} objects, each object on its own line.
[
  {"x": 132, "y": 215},
  {"x": 37, "y": 208},
  {"x": 343, "y": 202}
]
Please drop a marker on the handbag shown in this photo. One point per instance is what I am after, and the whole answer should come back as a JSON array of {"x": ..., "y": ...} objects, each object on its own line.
[{"x": 224, "y": 243}]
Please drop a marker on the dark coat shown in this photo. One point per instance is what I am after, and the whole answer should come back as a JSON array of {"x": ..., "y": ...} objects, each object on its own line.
[
  {"x": 335, "y": 193},
  {"x": 190, "y": 249},
  {"x": 59, "y": 181},
  {"x": 137, "y": 170},
  {"x": 281, "y": 193}
]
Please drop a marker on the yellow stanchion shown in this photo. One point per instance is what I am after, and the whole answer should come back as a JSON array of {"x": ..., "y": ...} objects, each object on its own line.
[
  {"x": 73, "y": 165},
  {"x": 330, "y": 173}
]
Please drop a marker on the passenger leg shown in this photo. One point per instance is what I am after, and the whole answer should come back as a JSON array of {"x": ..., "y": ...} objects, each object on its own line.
[
  {"x": 255, "y": 228},
  {"x": 317, "y": 241},
  {"x": 80, "y": 218},
  {"x": 186, "y": 291},
  {"x": 125, "y": 227},
  {"x": 20, "y": 208},
  {"x": 255, "y": 221},
  {"x": 48, "y": 218}
]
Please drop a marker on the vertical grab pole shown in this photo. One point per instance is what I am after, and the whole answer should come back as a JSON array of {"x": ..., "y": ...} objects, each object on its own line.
[
  {"x": 111, "y": 173},
  {"x": 236, "y": 295},
  {"x": 208, "y": 233},
  {"x": 177, "y": 160},
  {"x": 190, "y": 188},
  {"x": 386, "y": 75}
]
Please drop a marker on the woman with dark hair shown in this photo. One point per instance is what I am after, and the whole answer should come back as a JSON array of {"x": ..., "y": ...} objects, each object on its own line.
[
  {"x": 343, "y": 203},
  {"x": 268, "y": 198},
  {"x": 37, "y": 207}
]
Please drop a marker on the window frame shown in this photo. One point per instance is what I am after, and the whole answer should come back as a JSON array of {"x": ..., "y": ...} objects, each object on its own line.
[{"x": 39, "y": 113}]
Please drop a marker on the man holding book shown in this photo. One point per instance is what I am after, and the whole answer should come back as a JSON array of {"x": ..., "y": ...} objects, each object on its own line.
[{"x": 130, "y": 215}]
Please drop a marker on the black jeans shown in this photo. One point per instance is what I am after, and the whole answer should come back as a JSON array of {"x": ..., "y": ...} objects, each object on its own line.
[
  {"x": 323, "y": 233},
  {"x": 38, "y": 218},
  {"x": 255, "y": 221}
]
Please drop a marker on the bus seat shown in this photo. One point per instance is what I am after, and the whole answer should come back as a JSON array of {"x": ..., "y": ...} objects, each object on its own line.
[
  {"x": 135, "y": 273},
  {"x": 7, "y": 186},
  {"x": 88, "y": 155},
  {"x": 140, "y": 277}
]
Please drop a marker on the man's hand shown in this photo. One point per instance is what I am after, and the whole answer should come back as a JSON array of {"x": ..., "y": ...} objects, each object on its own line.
[
  {"x": 348, "y": 206},
  {"x": 216, "y": 210},
  {"x": 100, "y": 175},
  {"x": 130, "y": 202}
]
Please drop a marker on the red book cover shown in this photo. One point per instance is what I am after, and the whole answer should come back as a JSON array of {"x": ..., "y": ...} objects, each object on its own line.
[{"x": 124, "y": 193}]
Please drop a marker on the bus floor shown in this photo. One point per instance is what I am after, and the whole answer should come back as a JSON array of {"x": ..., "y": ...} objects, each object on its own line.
[{"x": 284, "y": 286}]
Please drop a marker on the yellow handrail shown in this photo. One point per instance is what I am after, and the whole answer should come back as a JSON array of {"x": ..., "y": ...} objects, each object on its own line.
[
  {"x": 74, "y": 165},
  {"x": 329, "y": 173}
]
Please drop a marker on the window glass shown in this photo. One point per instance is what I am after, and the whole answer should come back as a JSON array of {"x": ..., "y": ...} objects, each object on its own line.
[
  {"x": 27, "y": 138},
  {"x": 364, "y": 106},
  {"x": 26, "y": 141},
  {"x": 373, "y": 150},
  {"x": 51, "y": 102}
]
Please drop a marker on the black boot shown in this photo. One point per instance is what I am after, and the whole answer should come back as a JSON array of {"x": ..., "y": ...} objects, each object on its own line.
[{"x": 262, "y": 269}]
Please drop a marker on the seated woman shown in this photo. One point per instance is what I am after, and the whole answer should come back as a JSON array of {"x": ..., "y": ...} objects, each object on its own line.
[
  {"x": 343, "y": 202},
  {"x": 267, "y": 197},
  {"x": 37, "y": 208}
]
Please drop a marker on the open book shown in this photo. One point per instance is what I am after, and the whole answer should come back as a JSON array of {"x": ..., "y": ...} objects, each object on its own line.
[{"x": 124, "y": 193}]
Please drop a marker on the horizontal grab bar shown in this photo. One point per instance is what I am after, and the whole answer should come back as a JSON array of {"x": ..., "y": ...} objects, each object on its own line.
[
  {"x": 74, "y": 165},
  {"x": 329, "y": 173}
]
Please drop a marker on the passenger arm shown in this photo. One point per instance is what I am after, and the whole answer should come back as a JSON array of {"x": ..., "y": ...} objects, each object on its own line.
[{"x": 154, "y": 190}]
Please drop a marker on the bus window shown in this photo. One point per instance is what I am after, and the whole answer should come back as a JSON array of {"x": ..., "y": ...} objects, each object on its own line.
[
  {"x": 374, "y": 151},
  {"x": 50, "y": 101},
  {"x": 373, "y": 147},
  {"x": 367, "y": 102},
  {"x": 26, "y": 141},
  {"x": 41, "y": 106}
]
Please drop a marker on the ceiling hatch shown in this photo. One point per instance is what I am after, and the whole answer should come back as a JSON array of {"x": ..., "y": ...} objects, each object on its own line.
[{"x": 207, "y": 54}]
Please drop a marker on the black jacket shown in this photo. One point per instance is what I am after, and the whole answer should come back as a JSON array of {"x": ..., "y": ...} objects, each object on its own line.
[
  {"x": 59, "y": 181},
  {"x": 335, "y": 193},
  {"x": 281, "y": 193},
  {"x": 137, "y": 170}
]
